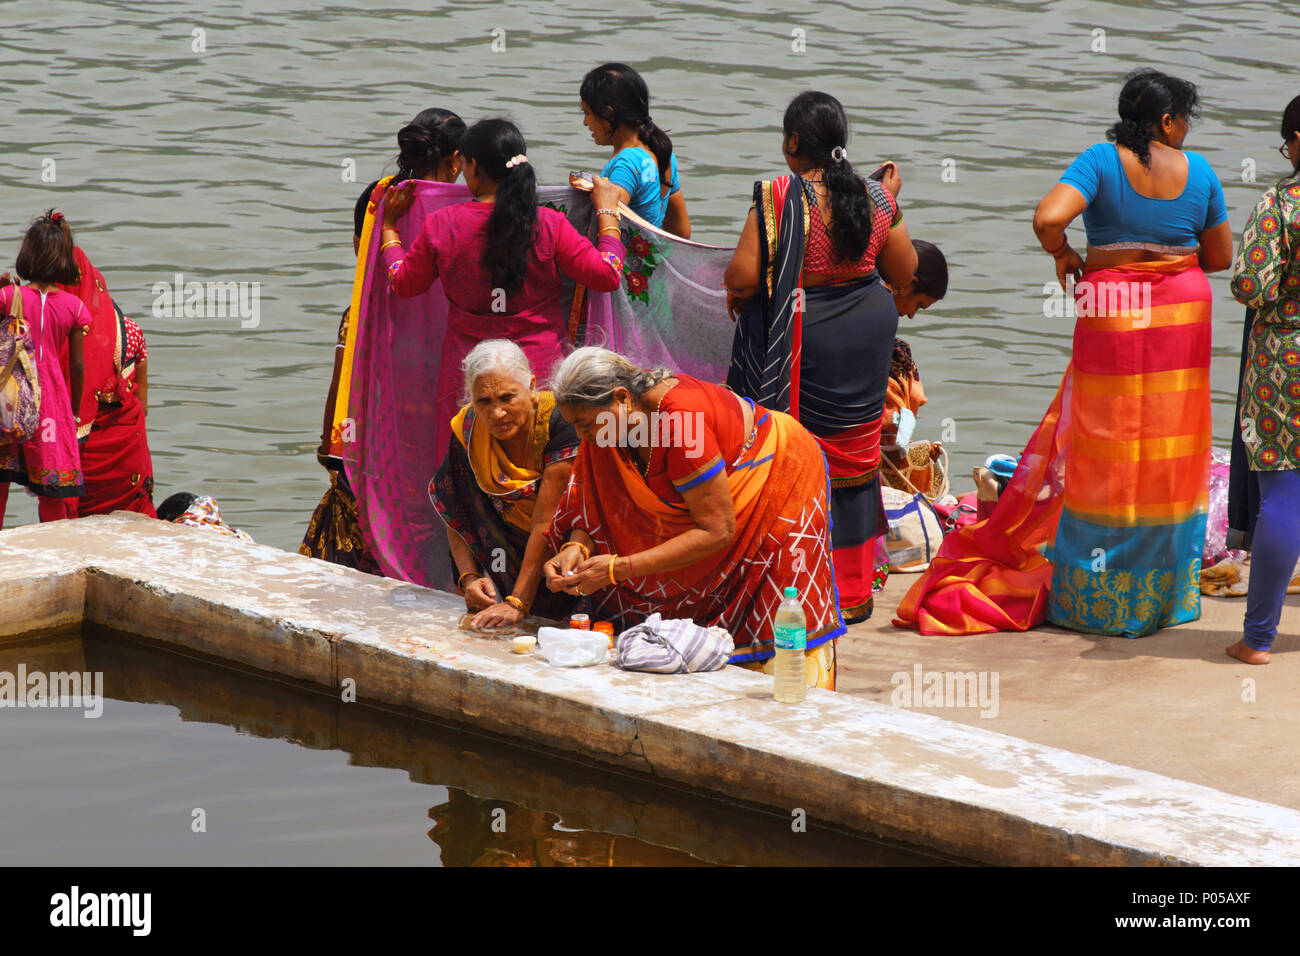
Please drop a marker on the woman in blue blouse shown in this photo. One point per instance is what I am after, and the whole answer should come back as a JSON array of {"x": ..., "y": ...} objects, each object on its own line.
[
  {"x": 1127, "y": 554},
  {"x": 616, "y": 109},
  {"x": 1102, "y": 526}
]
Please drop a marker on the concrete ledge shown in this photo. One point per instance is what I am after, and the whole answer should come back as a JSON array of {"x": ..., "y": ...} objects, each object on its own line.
[{"x": 891, "y": 773}]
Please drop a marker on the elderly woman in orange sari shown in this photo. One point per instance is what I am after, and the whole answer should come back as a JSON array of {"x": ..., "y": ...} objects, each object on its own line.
[{"x": 688, "y": 500}]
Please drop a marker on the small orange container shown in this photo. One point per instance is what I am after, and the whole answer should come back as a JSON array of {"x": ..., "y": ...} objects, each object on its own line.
[
  {"x": 606, "y": 628},
  {"x": 580, "y": 622}
]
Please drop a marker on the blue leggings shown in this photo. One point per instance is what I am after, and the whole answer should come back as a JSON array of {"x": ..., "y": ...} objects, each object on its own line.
[{"x": 1274, "y": 550}]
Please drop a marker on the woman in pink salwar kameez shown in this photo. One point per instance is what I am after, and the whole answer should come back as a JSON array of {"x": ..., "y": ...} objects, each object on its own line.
[{"x": 502, "y": 260}]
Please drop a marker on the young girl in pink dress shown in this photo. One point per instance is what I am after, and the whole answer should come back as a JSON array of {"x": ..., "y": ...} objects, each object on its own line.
[{"x": 49, "y": 464}]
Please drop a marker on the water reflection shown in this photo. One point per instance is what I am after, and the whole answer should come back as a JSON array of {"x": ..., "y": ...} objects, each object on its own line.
[
  {"x": 477, "y": 832},
  {"x": 504, "y": 805}
]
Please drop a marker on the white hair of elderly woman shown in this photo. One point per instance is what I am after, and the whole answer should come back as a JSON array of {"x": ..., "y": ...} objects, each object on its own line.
[
  {"x": 589, "y": 376},
  {"x": 496, "y": 355}
]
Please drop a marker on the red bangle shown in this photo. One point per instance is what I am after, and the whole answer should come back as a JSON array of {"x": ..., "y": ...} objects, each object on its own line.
[{"x": 1065, "y": 244}]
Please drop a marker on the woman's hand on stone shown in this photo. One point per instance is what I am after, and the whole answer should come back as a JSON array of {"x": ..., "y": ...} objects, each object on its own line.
[{"x": 498, "y": 615}]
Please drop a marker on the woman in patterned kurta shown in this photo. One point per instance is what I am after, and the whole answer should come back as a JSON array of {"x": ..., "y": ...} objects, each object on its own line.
[{"x": 1267, "y": 278}]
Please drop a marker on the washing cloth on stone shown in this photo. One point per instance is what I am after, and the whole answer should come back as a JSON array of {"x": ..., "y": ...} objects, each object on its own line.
[{"x": 677, "y": 646}]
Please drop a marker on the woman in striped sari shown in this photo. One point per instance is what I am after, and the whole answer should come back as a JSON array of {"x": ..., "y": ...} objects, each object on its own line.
[{"x": 1102, "y": 526}]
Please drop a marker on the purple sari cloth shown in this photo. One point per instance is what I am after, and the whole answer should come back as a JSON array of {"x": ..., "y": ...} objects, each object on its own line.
[{"x": 670, "y": 311}]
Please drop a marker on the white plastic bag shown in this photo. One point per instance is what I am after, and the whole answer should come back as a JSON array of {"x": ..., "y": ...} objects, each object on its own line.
[{"x": 569, "y": 647}]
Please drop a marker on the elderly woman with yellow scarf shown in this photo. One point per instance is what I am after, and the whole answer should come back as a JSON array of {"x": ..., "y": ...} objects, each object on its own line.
[{"x": 507, "y": 465}]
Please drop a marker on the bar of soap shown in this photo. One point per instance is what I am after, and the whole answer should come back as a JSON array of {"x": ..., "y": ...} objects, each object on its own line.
[{"x": 524, "y": 644}]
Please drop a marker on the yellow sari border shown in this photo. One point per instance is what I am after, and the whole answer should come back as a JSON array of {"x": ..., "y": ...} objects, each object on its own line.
[{"x": 344, "y": 392}]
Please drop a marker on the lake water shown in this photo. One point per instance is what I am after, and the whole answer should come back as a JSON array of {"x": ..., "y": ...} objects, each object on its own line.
[
  {"x": 228, "y": 164},
  {"x": 194, "y": 762}
]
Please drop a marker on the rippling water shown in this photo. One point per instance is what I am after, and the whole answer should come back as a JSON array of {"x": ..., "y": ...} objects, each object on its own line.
[{"x": 227, "y": 164}]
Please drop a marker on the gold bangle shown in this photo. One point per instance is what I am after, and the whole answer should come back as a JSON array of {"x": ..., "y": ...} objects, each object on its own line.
[
  {"x": 517, "y": 604},
  {"x": 460, "y": 581},
  {"x": 612, "y": 559},
  {"x": 614, "y": 230},
  {"x": 577, "y": 544},
  {"x": 390, "y": 242}
]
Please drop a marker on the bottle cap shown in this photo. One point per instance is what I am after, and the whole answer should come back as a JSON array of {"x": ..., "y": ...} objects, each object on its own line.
[
  {"x": 792, "y": 592},
  {"x": 1003, "y": 466}
]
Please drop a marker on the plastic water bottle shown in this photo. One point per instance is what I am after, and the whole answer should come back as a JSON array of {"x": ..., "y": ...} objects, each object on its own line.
[{"x": 790, "y": 627}]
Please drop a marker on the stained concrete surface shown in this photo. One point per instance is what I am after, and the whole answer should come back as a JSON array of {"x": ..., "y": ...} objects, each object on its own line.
[{"x": 1173, "y": 703}]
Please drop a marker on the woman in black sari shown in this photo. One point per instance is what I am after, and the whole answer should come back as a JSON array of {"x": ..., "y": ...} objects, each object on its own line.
[
  {"x": 508, "y": 463},
  {"x": 816, "y": 323}
]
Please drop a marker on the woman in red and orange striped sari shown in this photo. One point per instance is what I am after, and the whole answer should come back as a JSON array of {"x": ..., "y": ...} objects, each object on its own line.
[
  {"x": 688, "y": 500},
  {"x": 1102, "y": 526}
]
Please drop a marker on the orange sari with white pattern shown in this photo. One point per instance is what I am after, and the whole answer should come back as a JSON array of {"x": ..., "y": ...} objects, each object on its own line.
[{"x": 779, "y": 483}]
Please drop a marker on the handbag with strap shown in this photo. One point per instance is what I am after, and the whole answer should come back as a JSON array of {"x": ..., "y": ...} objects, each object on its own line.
[
  {"x": 921, "y": 470},
  {"x": 20, "y": 387}
]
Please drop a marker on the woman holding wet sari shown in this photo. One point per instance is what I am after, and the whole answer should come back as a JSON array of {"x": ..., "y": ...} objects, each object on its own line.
[
  {"x": 690, "y": 501},
  {"x": 507, "y": 464},
  {"x": 1102, "y": 526},
  {"x": 428, "y": 149},
  {"x": 643, "y": 167},
  {"x": 501, "y": 258},
  {"x": 815, "y": 336}
]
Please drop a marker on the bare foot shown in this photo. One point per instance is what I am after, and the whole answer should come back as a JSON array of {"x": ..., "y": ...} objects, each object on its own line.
[{"x": 1246, "y": 654}]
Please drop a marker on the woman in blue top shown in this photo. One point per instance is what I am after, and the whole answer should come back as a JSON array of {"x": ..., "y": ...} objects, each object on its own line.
[
  {"x": 616, "y": 109},
  {"x": 1103, "y": 524},
  {"x": 1127, "y": 551}
]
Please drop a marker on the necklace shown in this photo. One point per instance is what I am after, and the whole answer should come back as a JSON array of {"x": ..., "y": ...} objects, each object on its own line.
[
  {"x": 645, "y": 469},
  {"x": 650, "y": 452}
]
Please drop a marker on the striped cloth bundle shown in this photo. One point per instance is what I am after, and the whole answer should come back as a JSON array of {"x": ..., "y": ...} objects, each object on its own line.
[{"x": 677, "y": 646}]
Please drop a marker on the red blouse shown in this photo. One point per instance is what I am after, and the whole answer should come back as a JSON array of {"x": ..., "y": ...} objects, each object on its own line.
[
  {"x": 819, "y": 257},
  {"x": 701, "y": 433}
]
